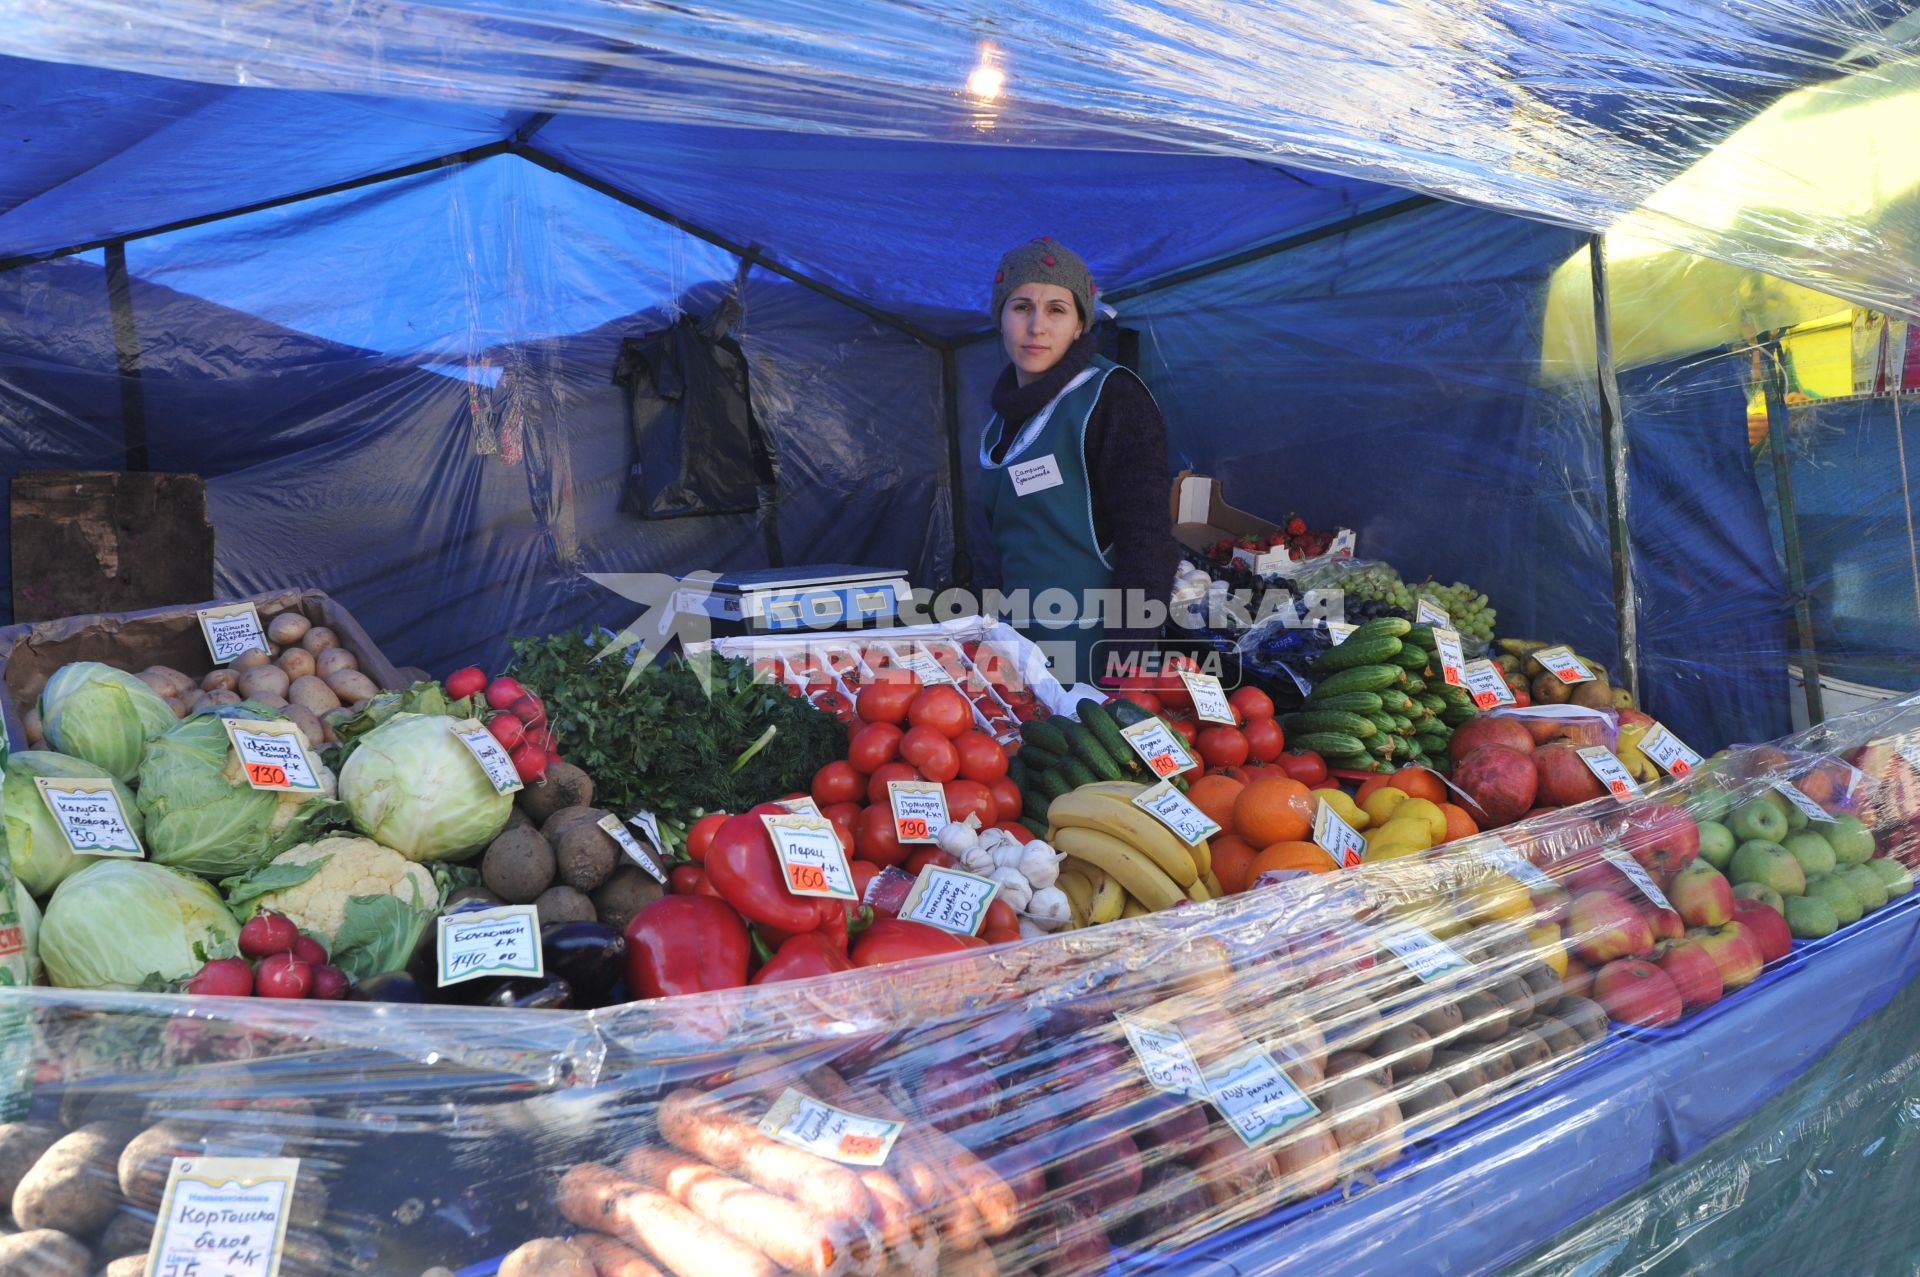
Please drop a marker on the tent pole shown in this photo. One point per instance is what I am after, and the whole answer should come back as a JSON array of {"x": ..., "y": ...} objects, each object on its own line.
[
  {"x": 1773, "y": 387},
  {"x": 1614, "y": 447},
  {"x": 962, "y": 570},
  {"x": 126, "y": 342}
]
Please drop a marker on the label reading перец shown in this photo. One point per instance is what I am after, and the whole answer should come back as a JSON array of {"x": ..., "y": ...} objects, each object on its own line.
[
  {"x": 812, "y": 861},
  {"x": 833, "y": 1133}
]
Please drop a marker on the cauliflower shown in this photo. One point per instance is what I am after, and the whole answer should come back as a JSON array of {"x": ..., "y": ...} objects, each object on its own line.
[{"x": 367, "y": 903}]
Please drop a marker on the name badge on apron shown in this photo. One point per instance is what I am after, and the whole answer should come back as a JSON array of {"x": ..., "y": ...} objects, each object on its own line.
[{"x": 1034, "y": 476}]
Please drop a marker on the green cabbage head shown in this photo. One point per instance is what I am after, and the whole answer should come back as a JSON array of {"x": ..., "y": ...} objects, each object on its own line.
[
  {"x": 203, "y": 817},
  {"x": 121, "y": 924},
  {"x": 103, "y": 715},
  {"x": 41, "y": 857},
  {"x": 412, "y": 786}
]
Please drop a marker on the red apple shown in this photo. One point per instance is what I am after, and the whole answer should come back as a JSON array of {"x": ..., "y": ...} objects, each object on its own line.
[
  {"x": 1766, "y": 926},
  {"x": 1666, "y": 924},
  {"x": 1693, "y": 972},
  {"x": 1578, "y": 981},
  {"x": 1634, "y": 991},
  {"x": 1661, "y": 836},
  {"x": 1476, "y": 732},
  {"x": 1734, "y": 951},
  {"x": 1703, "y": 895},
  {"x": 1599, "y": 874},
  {"x": 1603, "y": 927},
  {"x": 1564, "y": 779},
  {"x": 1499, "y": 780}
]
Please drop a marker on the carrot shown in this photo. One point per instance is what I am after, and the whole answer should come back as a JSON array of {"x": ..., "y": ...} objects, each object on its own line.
[
  {"x": 611, "y": 1259},
  {"x": 696, "y": 1125},
  {"x": 909, "y": 1237},
  {"x": 934, "y": 1186},
  {"x": 789, "y": 1234},
  {"x": 596, "y": 1197},
  {"x": 995, "y": 1203},
  {"x": 978, "y": 1262}
]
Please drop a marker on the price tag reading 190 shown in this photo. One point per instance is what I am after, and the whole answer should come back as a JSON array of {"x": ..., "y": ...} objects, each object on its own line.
[
  {"x": 273, "y": 755},
  {"x": 1669, "y": 751},
  {"x": 1170, "y": 807},
  {"x": 1563, "y": 664},
  {"x": 1452, "y": 659},
  {"x": 1159, "y": 747},
  {"x": 919, "y": 810},
  {"x": 1487, "y": 685},
  {"x": 1336, "y": 837},
  {"x": 811, "y": 858},
  {"x": 825, "y": 1131},
  {"x": 1609, "y": 771},
  {"x": 1209, "y": 702}
]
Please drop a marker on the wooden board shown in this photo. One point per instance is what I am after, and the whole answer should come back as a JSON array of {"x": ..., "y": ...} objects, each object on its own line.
[{"x": 92, "y": 541}]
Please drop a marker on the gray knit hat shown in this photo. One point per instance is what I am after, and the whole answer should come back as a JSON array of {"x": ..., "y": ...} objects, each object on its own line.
[{"x": 1045, "y": 261}]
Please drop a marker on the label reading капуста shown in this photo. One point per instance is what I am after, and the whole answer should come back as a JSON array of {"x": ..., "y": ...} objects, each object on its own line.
[
  {"x": 919, "y": 810},
  {"x": 1452, "y": 658},
  {"x": 1170, "y": 807},
  {"x": 1159, "y": 747},
  {"x": 1637, "y": 875},
  {"x": 490, "y": 754},
  {"x": 231, "y": 631},
  {"x": 1563, "y": 664},
  {"x": 1427, "y": 612},
  {"x": 1164, "y": 1057},
  {"x": 631, "y": 846},
  {"x": 1336, "y": 837},
  {"x": 811, "y": 858},
  {"x": 950, "y": 899},
  {"x": 1209, "y": 702},
  {"x": 90, "y": 815},
  {"x": 1487, "y": 685},
  {"x": 273, "y": 755},
  {"x": 1256, "y": 1096},
  {"x": 1798, "y": 797},
  {"x": 223, "y": 1217},
  {"x": 504, "y": 940},
  {"x": 1668, "y": 752},
  {"x": 1609, "y": 771},
  {"x": 1425, "y": 955},
  {"x": 825, "y": 1131}
]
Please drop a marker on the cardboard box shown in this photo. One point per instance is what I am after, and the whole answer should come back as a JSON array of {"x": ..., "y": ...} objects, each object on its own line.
[{"x": 1201, "y": 516}]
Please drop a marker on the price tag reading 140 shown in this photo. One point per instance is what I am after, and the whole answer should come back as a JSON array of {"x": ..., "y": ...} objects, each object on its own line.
[
  {"x": 1159, "y": 747},
  {"x": 919, "y": 810},
  {"x": 811, "y": 858},
  {"x": 504, "y": 940}
]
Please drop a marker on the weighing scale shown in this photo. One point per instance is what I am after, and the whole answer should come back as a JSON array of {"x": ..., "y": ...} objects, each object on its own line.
[{"x": 810, "y": 598}]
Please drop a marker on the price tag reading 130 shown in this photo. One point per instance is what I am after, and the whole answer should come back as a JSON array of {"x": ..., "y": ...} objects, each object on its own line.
[
  {"x": 919, "y": 810},
  {"x": 273, "y": 755},
  {"x": 950, "y": 899},
  {"x": 1487, "y": 685},
  {"x": 825, "y": 1131},
  {"x": 1209, "y": 702},
  {"x": 1170, "y": 807},
  {"x": 1159, "y": 747},
  {"x": 811, "y": 858}
]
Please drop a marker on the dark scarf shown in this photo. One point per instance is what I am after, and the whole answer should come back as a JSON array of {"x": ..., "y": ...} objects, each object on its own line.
[{"x": 1017, "y": 404}]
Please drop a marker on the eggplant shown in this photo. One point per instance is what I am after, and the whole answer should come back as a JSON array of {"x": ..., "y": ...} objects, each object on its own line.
[
  {"x": 524, "y": 993},
  {"x": 590, "y": 956},
  {"x": 393, "y": 986}
]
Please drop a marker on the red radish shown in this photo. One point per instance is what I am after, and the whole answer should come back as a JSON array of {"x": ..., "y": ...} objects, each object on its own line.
[
  {"x": 539, "y": 738},
  {"x": 329, "y": 982},
  {"x": 223, "y": 978},
  {"x": 553, "y": 756},
  {"x": 530, "y": 710},
  {"x": 268, "y": 933},
  {"x": 464, "y": 682},
  {"x": 503, "y": 692},
  {"x": 283, "y": 976},
  {"x": 529, "y": 762},
  {"x": 507, "y": 729},
  {"x": 310, "y": 951}
]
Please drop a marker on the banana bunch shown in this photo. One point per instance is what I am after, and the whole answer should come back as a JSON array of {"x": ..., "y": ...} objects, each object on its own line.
[{"x": 1120, "y": 861}]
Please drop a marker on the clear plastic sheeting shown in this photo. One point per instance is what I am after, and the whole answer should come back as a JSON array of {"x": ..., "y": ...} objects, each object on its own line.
[{"x": 1302, "y": 1078}]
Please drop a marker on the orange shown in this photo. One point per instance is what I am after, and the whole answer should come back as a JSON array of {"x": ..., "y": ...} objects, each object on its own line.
[
  {"x": 1291, "y": 854},
  {"x": 1370, "y": 784},
  {"x": 1273, "y": 809},
  {"x": 1459, "y": 823},
  {"x": 1231, "y": 856},
  {"x": 1420, "y": 783},
  {"x": 1214, "y": 795}
]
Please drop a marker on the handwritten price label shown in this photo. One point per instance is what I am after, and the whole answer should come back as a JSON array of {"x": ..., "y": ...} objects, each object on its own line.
[
  {"x": 1564, "y": 665},
  {"x": 1164, "y": 1057},
  {"x": 1256, "y": 1097},
  {"x": 1798, "y": 797},
  {"x": 90, "y": 816},
  {"x": 801, "y": 806},
  {"x": 1668, "y": 752},
  {"x": 1336, "y": 837},
  {"x": 1273, "y": 563},
  {"x": 503, "y": 941},
  {"x": 849, "y": 1138},
  {"x": 1637, "y": 875},
  {"x": 631, "y": 846},
  {"x": 1209, "y": 701},
  {"x": 1170, "y": 807},
  {"x": 273, "y": 755},
  {"x": 1517, "y": 866},
  {"x": 1487, "y": 685},
  {"x": 1427, "y": 612},
  {"x": 811, "y": 857},
  {"x": 231, "y": 631},
  {"x": 1340, "y": 631},
  {"x": 1452, "y": 658},
  {"x": 919, "y": 810},
  {"x": 1344, "y": 544},
  {"x": 1159, "y": 747},
  {"x": 1423, "y": 952},
  {"x": 1609, "y": 771},
  {"x": 490, "y": 754},
  {"x": 926, "y": 666},
  {"x": 223, "y": 1217},
  {"x": 949, "y": 899}
]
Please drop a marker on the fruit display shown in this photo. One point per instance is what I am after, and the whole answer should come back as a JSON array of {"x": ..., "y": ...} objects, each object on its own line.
[{"x": 1519, "y": 661}]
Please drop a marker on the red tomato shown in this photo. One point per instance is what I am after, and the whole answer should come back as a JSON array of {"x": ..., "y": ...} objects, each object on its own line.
[
  {"x": 829, "y": 701},
  {"x": 1001, "y": 925},
  {"x": 981, "y": 757},
  {"x": 1265, "y": 740},
  {"x": 1222, "y": 746},
  {"x": 1145, "y": 700},
  {"x": 700, "y": 836},
  {"x": 873, "y": 746},
  {"x": 1006, "y": 799},
  {"x": 1020, "y": 832},
  {"x": 507, "y": 729},
  {"x": 943, "y": 709},
  {"x": 1251, "y": 702},
  {"x": 465, "y": 682},
  {"x": 928, "y": 856},
  {"x": 877, "y": 783},
  {"x": 876, "y": 841},
  {"x": 1186, "y": 729},
  {"x": 928, "y": 749},
  {"x": 885, "y": 700},
  {"x": 685, "y": 880},
  {"x": 838, "y": 782},
  {"x": 846, "y": 821},
  {"x": 971, "y": 798},
  {"x": 1303, "y": 765}
]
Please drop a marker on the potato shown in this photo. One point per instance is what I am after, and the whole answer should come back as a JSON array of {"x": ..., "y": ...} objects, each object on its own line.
[
  {"x": 159, "y": 680},
  {"x": 333, "y": 660},
  {"x": 518, "y": 866},
  {"x": 252, "y": 658},
  {"x": 178, "y": 706},
  {"x": 270, "y": 700},
  {"x": 352, "y": 685},
  {"x": 563, "y": 786},
  {"x": 21, "y": 1145},
  {"x": 148, "y": 1158},
  {"x": 309, "y": 724},
  {"x": 42, "y": 1252},
  {"x": 130, "y": 1232},
  {"x": 288, "y": 627},
  {"x": 75, "y": 1185},
  {"x": 31, "y": 721},
  {"x": 126, "y": 1266},
  {"x": 298, "y": 662},
  {"x": 313, "y": 694},
  {"x": 221, "y": 681},
  {"x": 546, "y": 1257},
  {"x": 319, "y": 639},
  {"x": 264, "y": 680}
]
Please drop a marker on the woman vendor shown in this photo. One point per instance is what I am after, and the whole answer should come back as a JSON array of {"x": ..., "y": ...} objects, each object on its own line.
[{"x": 1074, "y": 464}]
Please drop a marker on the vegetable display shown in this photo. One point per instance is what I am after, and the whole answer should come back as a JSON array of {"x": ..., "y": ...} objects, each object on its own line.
[
  {"x": 103, "y": 715},
  {"x": 412, "y": 786},
  {"x": 128, "y": 924}
]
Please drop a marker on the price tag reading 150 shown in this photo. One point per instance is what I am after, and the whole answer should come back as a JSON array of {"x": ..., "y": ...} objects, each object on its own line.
[
  {"x": 811, "y": 858},
  {"x": 1487, "y": 685},
  {"x": 919, "y": 810}
]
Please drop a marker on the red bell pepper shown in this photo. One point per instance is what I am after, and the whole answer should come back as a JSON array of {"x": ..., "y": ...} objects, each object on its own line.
[
  {"x": 891, "y": 940},
  {"x": 685, "y": 944},
  {"x": 743, "y": 868},
  {"x": 804, "y": 956}
]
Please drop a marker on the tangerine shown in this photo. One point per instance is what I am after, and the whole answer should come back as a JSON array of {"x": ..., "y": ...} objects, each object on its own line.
[
  {"x": 1273, "y": 809},
  {"x": 1460, "y": 822},
  {"x": 1419, "y": 783},
  {"x": 1214, "y": 795},
  {"x": 1232, "y": 855},
  {"x": 1291, "y": 854},
  {"x": 1371, "y": 783}
]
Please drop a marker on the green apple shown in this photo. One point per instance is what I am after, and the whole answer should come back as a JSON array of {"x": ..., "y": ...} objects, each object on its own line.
[
  {"x": 1813, "y": 852},
  {"x": 1796, "y": 819},
  {"x": 1758, "y": 820},
  {"x": 1770, "y": 865},
  {"x": 1865, "y": 884},
  {"x": 1852, "y": 841},
  {"x": 1844, "y": 899},
  {"x": 1810, "y": 917},
  {"x": 1894, "y": 876},
  {"x": 1709, "y": 804},
  {"x": 1759, "y": 891},
  {"x": 1716, "y": 844}
]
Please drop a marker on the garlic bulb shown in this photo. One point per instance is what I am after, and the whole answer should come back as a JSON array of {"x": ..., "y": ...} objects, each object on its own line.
[
  {"x": 1040, "y": 864},
  {"x": 1050, "y": 908},
  {"x": 1031, "y": 930},
  {"x": 1008, "y": 855},
  {"x": 978, "y": 859},
  {"x": 1014, "y": 888},
  {"x": 956, "y": 838}
]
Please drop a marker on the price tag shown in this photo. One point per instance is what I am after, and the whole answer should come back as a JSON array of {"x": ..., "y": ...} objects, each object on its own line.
[
  {"x": 90, "y": 817},
  {"x": 811, "y": 857},
  {"x": 1164, "y": 1057},
  {"x": 231, "y": 631},
  {"x": 801, "y": 806},
  {"x": 635, "y": 852},
  {"x": 1170, "y": 807},
  {"x": 504, "y": 940},
  {"x": 1668, "y": 751},
  {"x": 273, "y": 755},
  {"x": 1638, "y": 875},
  {"x": 490, "y": 754},
  {"x": 1344, "y": 544},
  {"x": 833, "y": 1133},
  {"x": 1336, "y": 837},
  {"x": 1452, "y": 659},
  {"x": 1564, "y": 665},
  {"x": 1274, "y": 562},
  {"x": 1422, "y": 951},
  {"x": 1609, "y": 771},
  {"x": 1340, "y": 631},
  {"x": 649, "y": 824},
  {"x": 1518, "y": 867},
  {"x": 1209, "y": 702},
  {"x": 925, "y": 666},
  {"x": 1488, "y": 685},
  {"x": 223, "y": 1217},
  {"x": 1242, "y": 556},
  {"x": 950, "y": 899},
  {"x": 919, "y": 810},
  {"x": 1795, "y": 795},
  {"x": 1256, "y": 1096},
  {"x": 1427, "y": 612},
  {"x": 1161, "y": 748}
]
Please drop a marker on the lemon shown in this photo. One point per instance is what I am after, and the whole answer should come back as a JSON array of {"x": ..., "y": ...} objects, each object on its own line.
[
  {"x": 1345, "y": 807},
  {"x": 1381, "y": 803},
  {"x": 1426, "y": 811}
]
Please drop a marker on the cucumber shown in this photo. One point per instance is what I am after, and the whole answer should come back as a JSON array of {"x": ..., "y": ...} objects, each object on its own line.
[
  {"x": 1421, "y": 636},
  {"x": 1450, "y": 694},
  {"x": 1038, "y": 760},
  {"x": 1414, "y": 685},
  {"x": 1454, "y": 715},
  {"x": 1126, "y": 713},
  {"x": 1017, "y": 772},
  {"x": 1090, "y": 750},
  {"x": 1309, "y": 721},
  {"x": 1411, "y": 657},
  {"x": 1395, "y": 701},
  {"x": 1432, "y": 701},
  {"x": 1357, "y": 651},
  {"x": 1351, "y": 702},
  {"x": 1351, "y": 762},
  {"x": 1403, "y": 725},
  {"x": 1434, "y": 743},
  {"x": 1075, "y": 773},
  {"x": 1381, "y": 627},
  {"x": 1033, "y": 805},
  {"x": 1045, "y": 733},
  {"x": 1038, "y": 828},
  {"x": 1362, "y": 678},
  {"x": 1325, "y": 743},
  {"x": 1050, "y": 784},
  {"x": 1382, "y": 747},
  {"x": 1381, "y": 720}
]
